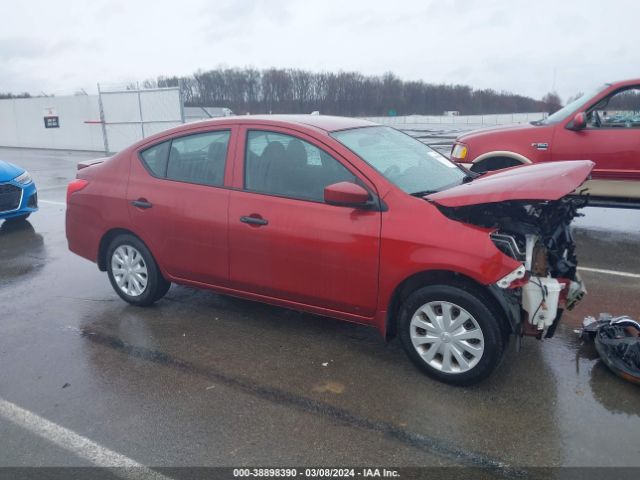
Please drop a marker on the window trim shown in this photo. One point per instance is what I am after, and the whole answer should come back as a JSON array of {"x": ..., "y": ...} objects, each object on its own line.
[
  {"x": 375, "y": 200},
  {"x": 170, "y": 141}
]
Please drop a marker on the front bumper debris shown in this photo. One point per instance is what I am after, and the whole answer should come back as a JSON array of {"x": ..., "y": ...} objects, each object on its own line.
[{"x": 617, "y": 340}]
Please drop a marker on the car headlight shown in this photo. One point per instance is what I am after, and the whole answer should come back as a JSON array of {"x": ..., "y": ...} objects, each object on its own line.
[
  {"x": 24, "y": 178},
  {"x": 459, "y": 151}
]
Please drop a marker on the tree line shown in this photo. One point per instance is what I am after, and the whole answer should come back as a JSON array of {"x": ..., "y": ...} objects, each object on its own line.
[
  {"x": 5, "y": 95},
  {"x": 249, "y": 90}
]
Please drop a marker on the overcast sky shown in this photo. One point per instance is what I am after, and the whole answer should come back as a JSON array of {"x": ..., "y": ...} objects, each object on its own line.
[{"x": 526, "y": 47}]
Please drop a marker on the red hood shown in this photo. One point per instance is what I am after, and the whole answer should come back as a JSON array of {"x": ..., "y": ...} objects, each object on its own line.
[
  {"x": 514, "y": 127},
  {"x": 541, "y": 181}
]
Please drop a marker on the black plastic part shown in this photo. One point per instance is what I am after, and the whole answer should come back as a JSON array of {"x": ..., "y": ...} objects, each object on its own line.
[
  {"x": 508, "y": 301},
  {"x": 33, "y": 201},
  {"x": 254, "y": 221},
  {"x": 142, "y": 204},
  {"x": 552, "y": 328}
]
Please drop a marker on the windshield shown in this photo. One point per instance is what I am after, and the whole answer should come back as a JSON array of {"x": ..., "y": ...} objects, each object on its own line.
[
  {"x": 569, "y": 108},
  {"x": 406, "y": 162}
]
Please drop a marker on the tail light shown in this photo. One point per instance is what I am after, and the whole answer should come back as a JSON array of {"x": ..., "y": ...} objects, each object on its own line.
[{"x": 75, "y": 186}]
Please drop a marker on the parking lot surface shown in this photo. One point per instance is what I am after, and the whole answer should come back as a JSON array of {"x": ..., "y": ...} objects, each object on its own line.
[{"x": 209, "y": 380}]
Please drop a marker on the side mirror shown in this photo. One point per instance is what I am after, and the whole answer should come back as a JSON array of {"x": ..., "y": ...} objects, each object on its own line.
[
  {"x": 347, "y": 194},
  {"x": 579, "y": 121}
]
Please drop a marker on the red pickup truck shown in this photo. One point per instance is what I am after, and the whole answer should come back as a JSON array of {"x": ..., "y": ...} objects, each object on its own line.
[{"x": 602, "y": 126}]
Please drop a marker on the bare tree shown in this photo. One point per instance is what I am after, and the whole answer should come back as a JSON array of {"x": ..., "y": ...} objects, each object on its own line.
[
  {"x": 552, "y": 101},
  {"x": 343, "y": 93}
]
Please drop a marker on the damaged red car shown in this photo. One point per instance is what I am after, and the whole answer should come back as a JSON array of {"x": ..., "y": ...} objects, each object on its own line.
[{"x": 343, "y": 218}]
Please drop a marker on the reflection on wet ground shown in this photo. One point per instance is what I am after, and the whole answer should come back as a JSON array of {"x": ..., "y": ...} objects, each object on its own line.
[
  {"x": 204, "y": 379},
  {"x": 22, "y": 250}
]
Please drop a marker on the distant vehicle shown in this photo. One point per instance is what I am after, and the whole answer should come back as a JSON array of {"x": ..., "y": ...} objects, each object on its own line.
[
  {"x": 339, "y": 217},
  {"x": 603, "y": 126},
  {"x": 18, "y": 196}
]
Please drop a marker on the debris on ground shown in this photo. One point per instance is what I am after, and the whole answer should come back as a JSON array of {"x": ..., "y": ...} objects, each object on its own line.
[
  {"x": 617, "y": 340},
  {"x": 330, "y": 387}
]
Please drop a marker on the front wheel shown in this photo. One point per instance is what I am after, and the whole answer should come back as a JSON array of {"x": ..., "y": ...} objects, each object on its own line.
[
  {"x": 494, "y": 163},
  {"x": 18, "y": 219},
  {"x": 133, "y": 272},
  {"x": 451, "y": 334}
]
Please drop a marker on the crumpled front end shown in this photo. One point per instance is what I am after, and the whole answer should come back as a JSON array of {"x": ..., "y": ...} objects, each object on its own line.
[{"x": 537, "y": 234}]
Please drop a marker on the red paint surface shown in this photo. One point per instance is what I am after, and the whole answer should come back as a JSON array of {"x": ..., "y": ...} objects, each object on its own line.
[
  {"x": 333, "y": 260},
  {"x": 615, "y": 150}
]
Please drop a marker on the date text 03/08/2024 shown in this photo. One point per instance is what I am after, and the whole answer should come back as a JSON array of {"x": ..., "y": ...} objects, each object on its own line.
[{"x": 316, "y": 472}]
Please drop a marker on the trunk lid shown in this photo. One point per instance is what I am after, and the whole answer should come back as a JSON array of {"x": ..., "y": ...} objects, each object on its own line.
[
  {"x": 89, "y": 163},
  {"x": 541, "y": 181}
]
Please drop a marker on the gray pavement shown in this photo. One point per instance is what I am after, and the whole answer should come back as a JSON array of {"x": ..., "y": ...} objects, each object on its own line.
[{"x": 202, "y": 379}]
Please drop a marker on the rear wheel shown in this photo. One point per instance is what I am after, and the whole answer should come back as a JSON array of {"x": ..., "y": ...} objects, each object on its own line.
[
  {"x": 133, "y": 271},
  {"x": 451, "y": 334}
]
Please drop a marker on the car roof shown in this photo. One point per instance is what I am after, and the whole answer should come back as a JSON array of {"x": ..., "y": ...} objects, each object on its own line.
[
  {"x": 327, "y": 123},
  {"x": 318, "y": 123},
  {"x": 625, "y": 83}
]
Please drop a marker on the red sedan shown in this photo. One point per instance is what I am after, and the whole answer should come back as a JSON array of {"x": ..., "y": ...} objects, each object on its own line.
[
  {"x": 339, "y": 217},
  {"x": 603, "y": 126}
]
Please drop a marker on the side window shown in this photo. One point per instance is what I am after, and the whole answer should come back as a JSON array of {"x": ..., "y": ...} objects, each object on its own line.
[
  {"x": 285, "y": 165},
  {"x": 155, "y": 158},
  {"x": 199, "y": 158},
  {"x": 620, "y": 110}
]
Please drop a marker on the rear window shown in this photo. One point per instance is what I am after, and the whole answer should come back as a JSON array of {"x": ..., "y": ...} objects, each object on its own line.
[
  {"x": 198, "y": 158},
  {"x": 155, "y": 158}
]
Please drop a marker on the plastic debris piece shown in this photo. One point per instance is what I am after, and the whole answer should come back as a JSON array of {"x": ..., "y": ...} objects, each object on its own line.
[{"x": 617, "y": 340}]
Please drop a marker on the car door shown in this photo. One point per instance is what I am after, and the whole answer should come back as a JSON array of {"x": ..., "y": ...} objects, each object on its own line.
[
  {"x": 285, "y": 242},
  {"x": 178, "y": 204},
  {"x": 611, "y": 138}
]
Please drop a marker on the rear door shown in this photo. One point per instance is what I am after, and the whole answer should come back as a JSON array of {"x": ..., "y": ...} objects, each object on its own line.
[
  {"x": 285, "y": 242},
  {"x": 178, "y": 204}
]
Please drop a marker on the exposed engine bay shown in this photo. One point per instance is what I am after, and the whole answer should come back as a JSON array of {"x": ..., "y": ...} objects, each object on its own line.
[{"x": 538, "y": 234}]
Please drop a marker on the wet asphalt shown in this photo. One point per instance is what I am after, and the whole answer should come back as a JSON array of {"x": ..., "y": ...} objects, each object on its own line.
[{"x": 202, "y": 379}]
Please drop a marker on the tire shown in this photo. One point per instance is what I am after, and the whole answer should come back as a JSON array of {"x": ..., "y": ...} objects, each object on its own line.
[
  {"x": 494, "y": 163},
  {"x": 133, "y": 272},
  {"x": 20, "y": 219},
  {"x": 460, "y": 353}
]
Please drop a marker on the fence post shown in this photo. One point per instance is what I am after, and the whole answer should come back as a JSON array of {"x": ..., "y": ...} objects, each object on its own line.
[
  {"x": 181, "y": 100},
  {"x": 103, "y": 122},
  {"x": 140, "y": 108}
]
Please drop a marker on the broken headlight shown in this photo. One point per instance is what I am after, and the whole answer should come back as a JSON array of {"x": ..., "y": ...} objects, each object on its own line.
[{"x": 508, "y": 245}]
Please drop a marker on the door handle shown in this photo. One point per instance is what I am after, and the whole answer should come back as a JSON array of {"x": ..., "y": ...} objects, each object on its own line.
[
  {"x": 142, "y": 203},
  {"x": 254, "y": 221}
]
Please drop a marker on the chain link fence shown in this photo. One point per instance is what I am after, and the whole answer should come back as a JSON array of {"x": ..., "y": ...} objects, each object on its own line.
[{"x": 132, "y": 113}]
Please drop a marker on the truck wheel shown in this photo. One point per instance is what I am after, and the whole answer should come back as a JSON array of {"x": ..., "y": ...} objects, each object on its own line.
[
  {"x": 451, "y": 334},
  {"x": 494, "y": 163}
]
